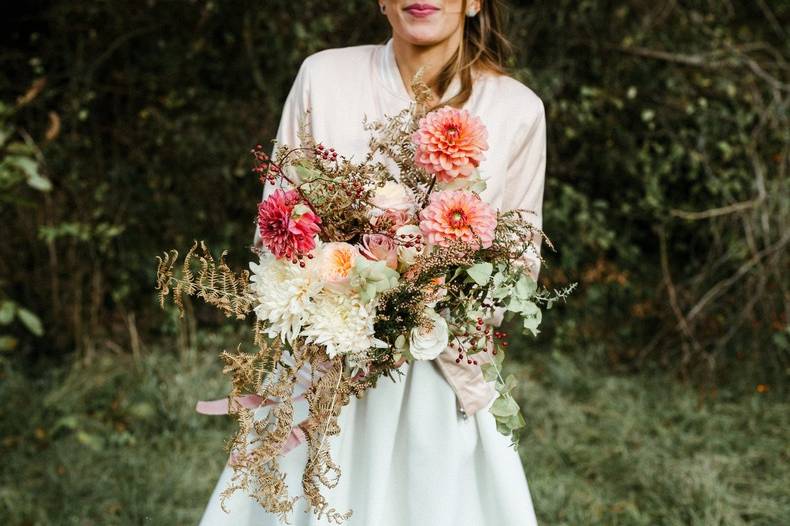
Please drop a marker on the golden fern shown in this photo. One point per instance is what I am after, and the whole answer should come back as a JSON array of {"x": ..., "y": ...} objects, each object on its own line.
[
  {"x": 214, "y": 282},
  {"x": 422, "y": 92}
]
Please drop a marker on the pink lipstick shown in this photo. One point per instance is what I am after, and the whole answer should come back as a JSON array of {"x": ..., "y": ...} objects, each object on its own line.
[{"x": 420, "y": 10}]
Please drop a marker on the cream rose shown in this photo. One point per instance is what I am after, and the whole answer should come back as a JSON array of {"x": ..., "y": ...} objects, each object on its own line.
[
  {"x": 408, "y": 254},
  {"x": 392, "y": 196},
  {"x": 427, "y": 344}
]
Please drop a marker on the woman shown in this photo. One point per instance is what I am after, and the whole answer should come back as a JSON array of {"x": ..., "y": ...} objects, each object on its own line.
[{"x": 424, "y": 450}]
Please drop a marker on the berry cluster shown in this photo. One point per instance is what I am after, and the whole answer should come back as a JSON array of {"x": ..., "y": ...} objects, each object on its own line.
[
  {"x": 410, "y": 240},
  {"x": 264, "y": 168},
  {"x": 326, "y": 154},
  {"x": 480, "y": 330}
]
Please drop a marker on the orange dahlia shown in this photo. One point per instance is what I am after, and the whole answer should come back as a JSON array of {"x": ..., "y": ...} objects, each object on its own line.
[
  {"x": 450, "y": 143},
  {"x": 458, "y": 215}
]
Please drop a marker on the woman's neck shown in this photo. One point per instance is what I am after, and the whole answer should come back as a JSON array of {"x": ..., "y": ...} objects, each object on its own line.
[{"x": 410, "y": 58}]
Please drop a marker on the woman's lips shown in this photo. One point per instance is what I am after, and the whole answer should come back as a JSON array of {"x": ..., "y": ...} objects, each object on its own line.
[{"x": 420, "y": 10}]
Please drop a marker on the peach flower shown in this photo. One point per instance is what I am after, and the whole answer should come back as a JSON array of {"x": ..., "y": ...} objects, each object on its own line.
[
  {"x": 335, "y": 264},
  {"x": 450, "y": 143},
  {"x": 458, "y": 215}
]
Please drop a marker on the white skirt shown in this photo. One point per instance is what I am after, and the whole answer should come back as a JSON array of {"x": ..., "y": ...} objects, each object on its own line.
[{"x": 408, "y": 458}]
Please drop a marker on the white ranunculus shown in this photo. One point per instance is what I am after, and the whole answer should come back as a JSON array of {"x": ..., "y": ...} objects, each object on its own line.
[
  {"x": 392, "y": 196},
  {"x": 407, "y": 255},
  {"x": 427, "y": 344}
]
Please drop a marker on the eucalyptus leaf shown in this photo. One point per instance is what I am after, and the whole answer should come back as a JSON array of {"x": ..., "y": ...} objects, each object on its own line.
[
  {"x": 503, "y": 428},
  {"x": 489, "y": 372},
  {"x": 480, "y": 272},
  {"x": 515, "y": 421},
  {"x": 525, "y": 287},
  {"x": 504, "y": 406},
  {"x": 532, "y": 316}
]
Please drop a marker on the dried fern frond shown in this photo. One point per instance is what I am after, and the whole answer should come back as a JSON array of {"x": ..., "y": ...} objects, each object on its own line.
[
  {"x": 326, "y": 397},
  {"x": 422, "y": 93},
  {"x": 214, "y": 282},
  {"x": 256, "y": 447}
]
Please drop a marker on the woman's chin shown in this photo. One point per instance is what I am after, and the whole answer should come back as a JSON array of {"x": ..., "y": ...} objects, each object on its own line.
[{"x": 423, "y": 36}]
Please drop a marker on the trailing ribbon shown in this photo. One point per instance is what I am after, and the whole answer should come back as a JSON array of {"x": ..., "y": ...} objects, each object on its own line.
[{"x": 254, "y": 401}]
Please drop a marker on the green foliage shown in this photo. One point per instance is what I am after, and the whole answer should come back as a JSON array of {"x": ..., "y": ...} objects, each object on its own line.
[
  {"x": 667, "y": 177},
  {"x": 112, "y": 441},
  {"x": 20, "y": 171},
  {"x": 18, "y": 161},
  {"x": 117, "y": 441},
  {"x": 610, "y": 450}
]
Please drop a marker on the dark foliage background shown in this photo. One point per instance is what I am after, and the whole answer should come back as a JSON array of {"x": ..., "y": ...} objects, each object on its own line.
[
  {"x": 125, "y": 127},
  {"x": 667, "y": 182}
]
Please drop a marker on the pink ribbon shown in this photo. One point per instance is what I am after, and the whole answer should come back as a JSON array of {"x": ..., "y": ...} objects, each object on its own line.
[
  {"x": 253, "y": 401},
  {"x": 222, "y": 406}
]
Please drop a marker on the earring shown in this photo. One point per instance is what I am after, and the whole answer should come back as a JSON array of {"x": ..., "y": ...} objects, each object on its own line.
[
  {"x": 471, "y": 12},
  {"x": 383, "y": 9}
]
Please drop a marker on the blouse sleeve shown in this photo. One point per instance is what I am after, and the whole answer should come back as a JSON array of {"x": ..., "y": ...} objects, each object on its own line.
[
  {"x": 296, "y": 103},
  {"x": 526, "y": 173}
]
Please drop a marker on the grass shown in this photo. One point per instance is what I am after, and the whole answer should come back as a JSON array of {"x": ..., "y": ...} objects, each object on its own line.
[
  {"x": 642, "y": 450},
  {"x": 118, "y": 442}
]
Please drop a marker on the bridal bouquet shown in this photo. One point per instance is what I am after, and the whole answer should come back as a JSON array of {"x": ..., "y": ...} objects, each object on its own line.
[{"x": 362, "y": 266}]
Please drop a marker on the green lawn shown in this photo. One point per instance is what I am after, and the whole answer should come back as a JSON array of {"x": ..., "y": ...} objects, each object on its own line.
[{"x": 117, "y": 442}]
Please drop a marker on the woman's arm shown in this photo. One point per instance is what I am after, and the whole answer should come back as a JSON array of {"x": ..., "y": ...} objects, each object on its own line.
[
  {"x": 526, "y": 173},
  {"x": 296, "y": 103}
]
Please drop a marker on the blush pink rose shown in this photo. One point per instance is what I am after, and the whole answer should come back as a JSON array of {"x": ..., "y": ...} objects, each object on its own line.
[{"x": 379, "y": 247}]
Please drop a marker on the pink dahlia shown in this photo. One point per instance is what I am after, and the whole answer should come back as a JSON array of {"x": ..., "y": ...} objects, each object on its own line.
[
  {"x": 287, "y": 226},
  {"x": 458, "y": 215},
  {"x": 450, "y": 143}
]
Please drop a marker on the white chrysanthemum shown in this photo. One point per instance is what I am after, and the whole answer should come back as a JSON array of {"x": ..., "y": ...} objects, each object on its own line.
[
  {"x": 341, "y": 323},
  {"x": 284, "y": 291}
]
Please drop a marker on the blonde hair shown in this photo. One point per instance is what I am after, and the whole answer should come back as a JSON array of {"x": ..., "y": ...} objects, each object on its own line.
[{"x": 484, "y": 47}]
